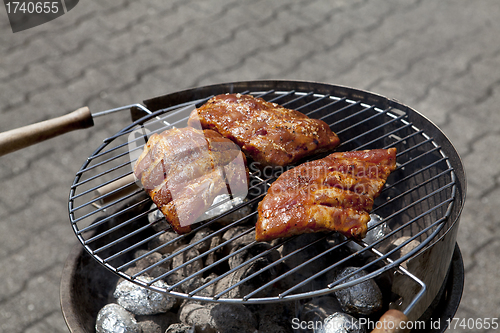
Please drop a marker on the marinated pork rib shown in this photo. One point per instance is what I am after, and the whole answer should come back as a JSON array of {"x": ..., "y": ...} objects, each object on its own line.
[
  {"x": 335, "y": 193},
  {"x": 268, "y": 133},
  {"x": 184, "y": 169}
]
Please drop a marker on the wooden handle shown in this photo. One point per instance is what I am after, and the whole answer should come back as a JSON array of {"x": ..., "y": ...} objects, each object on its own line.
[
  {"x": 121, "y": 182},
  {"x": 393, "y": 321},
  {"x": 28, "y": 135}
]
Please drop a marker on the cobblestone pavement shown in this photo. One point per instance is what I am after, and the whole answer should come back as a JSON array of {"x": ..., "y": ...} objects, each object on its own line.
[{"x": 440, "y": 57}]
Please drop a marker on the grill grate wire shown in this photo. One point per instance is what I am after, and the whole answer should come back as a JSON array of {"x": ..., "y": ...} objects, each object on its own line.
[{"x": 416, "y": 202}]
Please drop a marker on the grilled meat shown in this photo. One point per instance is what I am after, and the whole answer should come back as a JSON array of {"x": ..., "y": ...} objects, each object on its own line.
[
  {"x": 335, "y": 193},
  {"x": 268, "y": 133},
  {"x": 184, "y": 169}
]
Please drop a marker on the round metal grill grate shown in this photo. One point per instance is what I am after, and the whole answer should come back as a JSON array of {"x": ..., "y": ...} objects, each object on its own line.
[{"x": 220, "y": 262}]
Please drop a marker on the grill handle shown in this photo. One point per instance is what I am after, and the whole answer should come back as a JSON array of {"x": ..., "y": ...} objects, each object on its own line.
[
  {"x": 28, "y": 135},
  {"x": 393, "y": 321}
]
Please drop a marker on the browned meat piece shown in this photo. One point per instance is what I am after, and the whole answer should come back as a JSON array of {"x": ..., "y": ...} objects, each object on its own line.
[
  {"x": 184, "y": 169},
  {"x": 335, "y": 193},
  {"x": 267, "y": 132}
]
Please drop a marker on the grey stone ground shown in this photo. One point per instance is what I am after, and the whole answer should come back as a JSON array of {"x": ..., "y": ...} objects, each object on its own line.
[{"x": 440, "y": 57}]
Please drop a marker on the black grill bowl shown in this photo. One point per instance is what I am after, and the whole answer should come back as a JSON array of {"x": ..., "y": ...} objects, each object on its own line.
[
  {"x": 85, "y": 286},
  {"x": 424, "y": 199}
]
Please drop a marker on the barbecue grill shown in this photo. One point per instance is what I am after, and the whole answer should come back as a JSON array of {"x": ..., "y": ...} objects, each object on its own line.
[{"x": 420, "y": 204}]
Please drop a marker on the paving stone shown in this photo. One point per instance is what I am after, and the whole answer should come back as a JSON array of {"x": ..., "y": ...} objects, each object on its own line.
[
  {"x": 10, "y": 95},
  {"x": 110, "y": 6},
  {"x": 477, "y": 229},
  {"x": 437, "y": 104},
  {"x": 317, "y": 11},
  {"x": 485, "y": 282},
  {"x": 53, "y": 323},
  {"x": 476, "y": 161},
  {"x": 256, "y": 68},
  {"x": 18, "y": 58},
  {"x": 124, "y": 71},
  {"x": 178, "y": 49},
  {"x": 3, "y": 73},
  {"x": 464, "y": 129},
  {"x": 290, "y": 61},
  {"x": 120, "y": 18},
  {"x": 88, "y": 55},
  {"x": 170, "y": 5},
  {"x": 479, "y": 81},
  {"x": 29, "y": 307},
  {"x": 139, "y": 36},
  {"x": 485, "y": 109},
  {"x": 88, "y": 29},
  {"x": 35, "y": 78},
  {"x": 148, "y": 86}
]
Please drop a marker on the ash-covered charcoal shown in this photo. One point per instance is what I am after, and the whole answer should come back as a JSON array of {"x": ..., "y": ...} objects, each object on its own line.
[
  {"x": 364, "y": 298},
  {"x": 195, "y": 283},
  {"x": 304, "y": 253},
  {"x": 247, "y": 270},
  {"x": 157, "y": 219},
  {"x": 150, "y": 260},
  {"x": 274, "y": 318},
  {"x": 113, "y": 318},
  {"x": 240, "y": 274},
  {"x": 234, "y": 232},
  {"x": 187, "y": 270},
  {"x": 166, "y": 243},
  {"x": 141, "y": 264},
  {"x": 214, "y": 255},
  {"x": 199, "y": 235},
  {"x": 404, "y": 250},
  {"x": 156, "y": 323},
  {"x": 218, "y": 317},
  {"x": 180, "y": 328},
  {"x": 143, "y": 301},
  {"x": 335, "y": 239},
  {"x": 197, "y": 315},
  {"x": 341, "y": 323},
  {"x": 250, "y": 252},
  {"x": 209, "y": 243},
  {"x": 318, "y": 309},
  {"x": 233, "y": 318}
]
